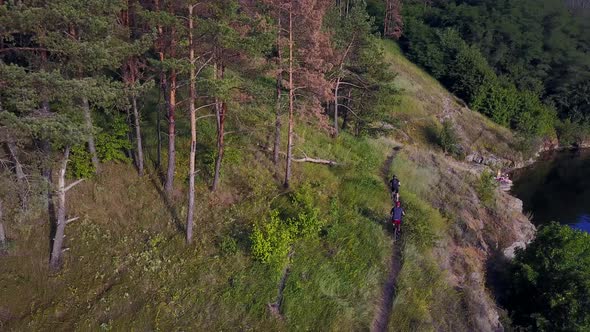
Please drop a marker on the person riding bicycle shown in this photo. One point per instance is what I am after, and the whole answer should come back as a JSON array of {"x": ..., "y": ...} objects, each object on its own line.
[
  {"x": 394, "y": 185},
  {"x": 397, "y": 213}
]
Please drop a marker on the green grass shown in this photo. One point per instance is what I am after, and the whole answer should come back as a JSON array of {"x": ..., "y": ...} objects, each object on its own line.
[{"x": 128, "y": 268}]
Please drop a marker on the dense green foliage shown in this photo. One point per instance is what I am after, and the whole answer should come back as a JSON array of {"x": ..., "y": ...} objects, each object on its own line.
[
  {"x": 515, "y": 61},
  {"x": 550, "y": 281}
]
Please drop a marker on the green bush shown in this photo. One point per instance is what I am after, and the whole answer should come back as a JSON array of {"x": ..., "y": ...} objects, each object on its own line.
[
  {"x": 469, "y": 72},
  {"x": 486, "y": 187},
  {"x": 271, "y": 239},
  {"x": 550, "y": 281},
  {"x": 80, "y": 164},
  {"x": 112, "y": 143},
  {"x": 534, "y": 117},
  {"x": 572, "y": 133},
  {"x": 449, "y": 139},
  {"x": 308, "y": 221},
  {"x": 497, "y": 101}
]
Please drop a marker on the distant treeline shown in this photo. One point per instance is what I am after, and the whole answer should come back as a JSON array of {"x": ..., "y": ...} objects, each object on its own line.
[{"x": 524, "y": 63}]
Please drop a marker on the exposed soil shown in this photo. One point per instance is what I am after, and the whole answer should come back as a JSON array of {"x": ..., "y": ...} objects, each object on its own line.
[{"x": 381, "y": 319}]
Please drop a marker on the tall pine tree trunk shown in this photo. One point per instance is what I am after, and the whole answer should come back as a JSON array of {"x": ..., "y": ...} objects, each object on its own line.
[
  {"x": 277, "y": 141},
  {"x": 90, "y": 129},
  {"x": 137, "y": 134},
  {"x": 61, "y": 213},
  {"x": 171, "y": 134},
  {"x": 162, "y": 91},
  {"x": 291, "y": 100},
  {"x": 193, "y": 120}
]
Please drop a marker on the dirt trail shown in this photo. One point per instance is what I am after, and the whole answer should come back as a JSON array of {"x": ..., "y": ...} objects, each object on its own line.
[{"x": 381, "y": 319}]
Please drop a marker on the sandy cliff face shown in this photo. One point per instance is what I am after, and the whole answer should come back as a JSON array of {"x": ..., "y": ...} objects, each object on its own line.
[{"x": 477, "y": 233}]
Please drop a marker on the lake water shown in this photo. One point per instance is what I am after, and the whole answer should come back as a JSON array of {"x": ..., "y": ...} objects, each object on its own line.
[{"x": 557, "y": 188}]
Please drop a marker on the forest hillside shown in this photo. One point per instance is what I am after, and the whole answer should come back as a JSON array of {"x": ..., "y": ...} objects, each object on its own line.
[{"x": 225, "y": 165}]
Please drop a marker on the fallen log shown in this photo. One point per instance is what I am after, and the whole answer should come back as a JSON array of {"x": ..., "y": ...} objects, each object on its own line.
[
  {"x": 316, "y": 161},
  {"x": 305, "y": 158}
]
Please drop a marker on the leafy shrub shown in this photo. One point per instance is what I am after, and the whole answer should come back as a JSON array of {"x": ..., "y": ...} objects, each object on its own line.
[
  {"x": 80, "y": 164},
  {"x": 550, "y": 281},
  {"x": 497, "y": 101},
  {"x": 469, "y": 72},
  {"x": 271, "y": 239},
  {"x": 111, "y": 143},
  {"x": 528, "y": 145},
  {"x": 308, "y": 221},
  {"x": 572, "y": 133},
  {"x": 486, "y": 187},
  {"x": 448, "y": 138},
  {"x": 534, "y": 118}
]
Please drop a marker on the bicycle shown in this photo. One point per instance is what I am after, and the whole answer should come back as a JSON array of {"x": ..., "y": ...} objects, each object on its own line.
[{"x": 397, "y": 230}]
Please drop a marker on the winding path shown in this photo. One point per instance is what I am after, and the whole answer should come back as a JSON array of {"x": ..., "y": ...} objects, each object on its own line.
[{"x": 381, "y": 319}]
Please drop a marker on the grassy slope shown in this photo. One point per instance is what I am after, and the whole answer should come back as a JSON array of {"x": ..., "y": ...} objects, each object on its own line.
[{"x": 127, "y": 266}]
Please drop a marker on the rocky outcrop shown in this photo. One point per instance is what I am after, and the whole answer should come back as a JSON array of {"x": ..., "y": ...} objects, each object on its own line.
[
  {"x": 477, "y": 233},
  {"x": 489, "y": 159}
]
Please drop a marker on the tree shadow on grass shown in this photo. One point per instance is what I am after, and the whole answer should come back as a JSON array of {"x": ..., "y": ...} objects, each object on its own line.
[{"x": 168, "y": 204}]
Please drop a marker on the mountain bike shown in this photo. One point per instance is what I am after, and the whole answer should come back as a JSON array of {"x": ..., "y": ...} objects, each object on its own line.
[{"x": 397, "y": 231}]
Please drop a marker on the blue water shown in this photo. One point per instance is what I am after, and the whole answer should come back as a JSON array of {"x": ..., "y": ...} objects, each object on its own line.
[
  {"x": 557, "y": 188},
  {"x": 583, "y": 223}
]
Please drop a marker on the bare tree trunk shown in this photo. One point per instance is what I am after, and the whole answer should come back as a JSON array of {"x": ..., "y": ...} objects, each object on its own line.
[
  {"x": 90, "y": 128},
  {"x": 277, "y": 142},
  {"x": 20, "y": 174},
  {"x": 137, "y": 135},
  {"x": 171, "y": 134},
  {"x": 158, "y": 127},
  {"x": 18, "y": 168},
  {"x": 163, "y": 86},
  {"x": 2, "y": 233},
  {"x": 61, "y": 213},
  {"x": 291, "y": 100},
  {"x": 193, "y": 120},
  {"x": 339, "y": 80}
]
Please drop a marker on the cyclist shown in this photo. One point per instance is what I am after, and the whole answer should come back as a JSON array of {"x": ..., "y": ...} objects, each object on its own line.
[
  {"x": 397, "y": 213},
  {"x": 394, "y": 184}
]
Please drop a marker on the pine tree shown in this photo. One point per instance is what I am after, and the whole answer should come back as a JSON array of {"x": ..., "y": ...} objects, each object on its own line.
[{"x": 393, "y": 25}]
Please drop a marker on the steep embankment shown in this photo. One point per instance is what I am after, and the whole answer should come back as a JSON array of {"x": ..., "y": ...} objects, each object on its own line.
[
  {"x": 127, "y": 266},
  {"x": 476, "y": 231}
]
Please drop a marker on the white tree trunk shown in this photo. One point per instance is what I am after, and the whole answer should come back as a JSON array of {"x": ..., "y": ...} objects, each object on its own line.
[
  {"x": 61, "y": 213},
  {"x": 291, "y": 100},
  {"x": 138, "y": 135},
  {"x": 193, "y": 120}
]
